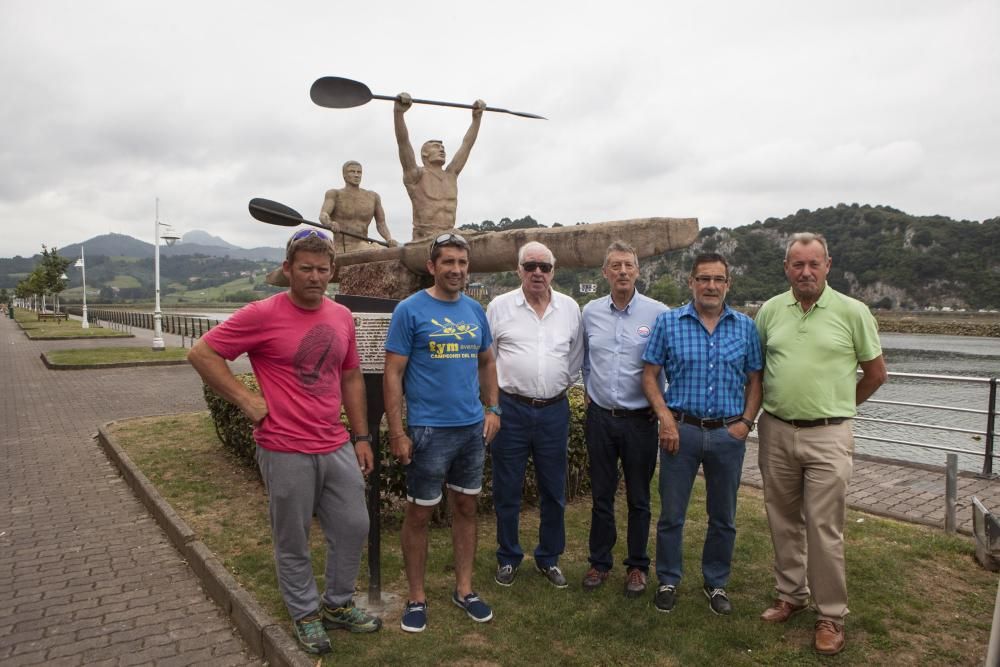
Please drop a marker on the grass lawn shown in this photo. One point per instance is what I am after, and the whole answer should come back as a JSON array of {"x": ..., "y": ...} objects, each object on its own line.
[
  {"x": 64, "y": 329},
  {"x": 917, "y": 595},
  {"x": 114, "y": 355}
]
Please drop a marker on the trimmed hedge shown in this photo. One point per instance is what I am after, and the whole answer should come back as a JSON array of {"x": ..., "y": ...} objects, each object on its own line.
[{"x": 236, "y": 434}]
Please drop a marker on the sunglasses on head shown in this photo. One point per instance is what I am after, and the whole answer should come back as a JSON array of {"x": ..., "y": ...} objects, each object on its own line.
[
  {"x": 306, "y": 233},
  {"x": 450, "y": 238},
  {"x": 529, "y": 267}
]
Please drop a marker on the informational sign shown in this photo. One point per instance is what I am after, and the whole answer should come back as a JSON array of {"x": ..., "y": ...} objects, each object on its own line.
[
  {"x": 588, "y": 288},
  {"x": 371, "y": 330}
]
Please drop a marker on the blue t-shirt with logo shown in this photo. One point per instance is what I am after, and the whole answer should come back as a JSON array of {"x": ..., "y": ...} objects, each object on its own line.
[{"x": 442, "y": 340}]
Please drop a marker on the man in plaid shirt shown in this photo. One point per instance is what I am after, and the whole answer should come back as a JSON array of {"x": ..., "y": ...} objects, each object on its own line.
[{"x": 712, "y": 359}]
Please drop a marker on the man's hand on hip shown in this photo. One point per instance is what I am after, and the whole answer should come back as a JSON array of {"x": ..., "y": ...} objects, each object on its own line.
[{"x": 255, "y": 409}]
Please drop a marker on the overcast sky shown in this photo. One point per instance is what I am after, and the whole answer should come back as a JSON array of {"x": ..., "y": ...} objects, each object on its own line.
[{"x": 730, "y": 112}]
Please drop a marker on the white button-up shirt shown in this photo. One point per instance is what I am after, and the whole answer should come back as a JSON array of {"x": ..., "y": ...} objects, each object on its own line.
[{"x": 537, "y": 357}]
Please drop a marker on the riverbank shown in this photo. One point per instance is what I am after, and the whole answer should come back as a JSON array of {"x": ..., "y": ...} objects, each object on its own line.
[{"x": 948, "y": 324}]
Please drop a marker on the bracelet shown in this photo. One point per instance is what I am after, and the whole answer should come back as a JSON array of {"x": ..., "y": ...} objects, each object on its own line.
[{"x": 398, "y": 435}]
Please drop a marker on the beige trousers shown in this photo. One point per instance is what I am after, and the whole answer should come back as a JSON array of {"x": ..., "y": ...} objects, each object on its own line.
[{"x": 805, "y": 473}]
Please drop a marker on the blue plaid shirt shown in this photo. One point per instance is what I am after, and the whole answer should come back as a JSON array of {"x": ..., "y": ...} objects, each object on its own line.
[{"x": 706, "y": 374}]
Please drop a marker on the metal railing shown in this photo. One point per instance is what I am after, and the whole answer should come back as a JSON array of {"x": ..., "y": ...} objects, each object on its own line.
[
  {"x": 184, "y": 326},
  {"x": 987, "y": 454}
]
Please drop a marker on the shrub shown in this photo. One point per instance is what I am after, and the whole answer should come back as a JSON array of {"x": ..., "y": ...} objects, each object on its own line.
[{"x": 236, "y": 434}]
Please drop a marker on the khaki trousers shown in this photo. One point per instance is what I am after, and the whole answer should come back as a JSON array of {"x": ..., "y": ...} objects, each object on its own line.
[{"x": 805, "y": 473}]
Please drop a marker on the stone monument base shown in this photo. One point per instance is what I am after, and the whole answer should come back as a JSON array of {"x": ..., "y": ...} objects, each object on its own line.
[{"x": 388, "y": 279}]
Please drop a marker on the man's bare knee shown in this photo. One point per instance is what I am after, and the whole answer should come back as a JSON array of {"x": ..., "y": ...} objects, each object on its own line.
[
  {"x": 418, "y": 516},
  {"x": 463, "y": 504}
]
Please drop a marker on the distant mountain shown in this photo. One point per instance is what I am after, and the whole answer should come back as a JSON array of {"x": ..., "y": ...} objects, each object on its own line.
[
  {"x": 199, "y": 237},
  {"x": 194, "y": 243},
  {"x": 116, "y": 259}
]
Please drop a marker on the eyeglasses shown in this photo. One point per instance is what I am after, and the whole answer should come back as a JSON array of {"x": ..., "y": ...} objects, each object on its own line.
[
  {"x": 306, "y": 233},
  {"x": 529, "y": 267},
  {"x": 450, "y": 238},
  {"x": 708, "y": 280}
]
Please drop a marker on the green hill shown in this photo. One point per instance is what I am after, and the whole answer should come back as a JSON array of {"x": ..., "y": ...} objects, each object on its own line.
[{"x": 881, "y": 255}]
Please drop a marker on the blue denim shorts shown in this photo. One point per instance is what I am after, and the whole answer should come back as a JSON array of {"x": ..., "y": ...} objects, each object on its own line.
[{"x": 445, "y": 455}]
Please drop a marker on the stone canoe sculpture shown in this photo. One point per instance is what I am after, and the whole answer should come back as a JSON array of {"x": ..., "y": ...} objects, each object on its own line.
[{"x": 382, "y": 271}]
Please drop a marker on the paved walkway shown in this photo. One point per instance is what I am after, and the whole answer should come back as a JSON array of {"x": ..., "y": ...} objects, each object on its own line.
[{"x": 87, "y": 578}]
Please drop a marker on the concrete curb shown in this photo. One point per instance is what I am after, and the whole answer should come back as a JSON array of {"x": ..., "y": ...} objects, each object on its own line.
[
  {"x": 263, "y": 635},
  {"x": 124, "y": 364}
]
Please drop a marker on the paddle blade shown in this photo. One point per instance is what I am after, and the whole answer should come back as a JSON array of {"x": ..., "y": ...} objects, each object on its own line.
[
  {"x": 274, "y": 213},
  {"x": 335, "y": 92}
]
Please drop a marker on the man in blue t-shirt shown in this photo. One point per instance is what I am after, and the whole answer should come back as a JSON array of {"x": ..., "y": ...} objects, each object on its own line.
[{"x": 438, "y": 355}]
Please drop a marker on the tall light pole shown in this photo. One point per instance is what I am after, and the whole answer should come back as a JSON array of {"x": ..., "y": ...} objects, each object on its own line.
[
  {"x": 170, "y": 237},
  {"x": 82, "y": 265}
]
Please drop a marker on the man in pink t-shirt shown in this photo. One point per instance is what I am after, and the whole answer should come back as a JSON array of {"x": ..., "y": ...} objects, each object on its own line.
[{"x": 303, "y": 351}]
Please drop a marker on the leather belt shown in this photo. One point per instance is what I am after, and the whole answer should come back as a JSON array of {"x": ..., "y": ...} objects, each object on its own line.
[
  {"x": 536, "y": 402},
  {"x": 812, "y": 423},
  {"x": 645, "y": 413},
  {"x": 704, "y": 423}
]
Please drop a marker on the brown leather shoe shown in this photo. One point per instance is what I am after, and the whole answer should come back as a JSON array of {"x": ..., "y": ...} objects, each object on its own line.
[
  {"x": 781, "y": 611},
  {"x": 635, "y": 583},
  {"x": 593, "y": 579},
  {"x": 830, "y": 638}
]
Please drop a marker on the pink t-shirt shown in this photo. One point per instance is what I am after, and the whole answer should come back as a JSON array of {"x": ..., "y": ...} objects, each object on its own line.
[{"x": 298, "y": 357}]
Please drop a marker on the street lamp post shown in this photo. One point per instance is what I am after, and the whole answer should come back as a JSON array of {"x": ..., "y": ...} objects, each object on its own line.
[
  {"x": 63, "y": 277},
  {"x": 170, "y": 237},
  {"x": 82, "y": 265}
]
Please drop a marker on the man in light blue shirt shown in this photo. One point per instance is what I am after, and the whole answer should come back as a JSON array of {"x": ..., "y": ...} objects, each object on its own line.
[{"x": 620, "y": 425}]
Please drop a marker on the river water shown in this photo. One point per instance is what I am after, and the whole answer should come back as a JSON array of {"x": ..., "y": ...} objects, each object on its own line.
[{"x": 962, "y": 356}]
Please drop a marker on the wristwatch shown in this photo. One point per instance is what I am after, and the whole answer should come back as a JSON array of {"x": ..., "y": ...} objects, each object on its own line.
[
  {"x": 749, "y": 422},
  {"x": 361, "y": 438},
  {"x": 495, "y": 409}
]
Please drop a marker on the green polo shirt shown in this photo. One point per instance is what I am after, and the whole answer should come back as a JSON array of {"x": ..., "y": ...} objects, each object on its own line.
[{"x": 811, "y": 359}]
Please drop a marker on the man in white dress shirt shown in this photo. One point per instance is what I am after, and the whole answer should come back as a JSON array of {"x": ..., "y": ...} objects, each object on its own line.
[{"x": 538, "y": 341}]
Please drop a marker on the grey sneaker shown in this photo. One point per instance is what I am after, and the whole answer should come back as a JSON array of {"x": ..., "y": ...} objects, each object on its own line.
[
  {"x": 666, "y": 598},
  {"x": 718, "y": 601},
  {"x": 312, "y": 635},
  {"x": 553, "y": 574},
  {"x": 505, "y": 575},
  {"x": 350, "y": 618}
]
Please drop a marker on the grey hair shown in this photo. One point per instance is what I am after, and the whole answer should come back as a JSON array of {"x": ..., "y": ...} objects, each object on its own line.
[
  {"x": 620, "y": 246},
  {"x": 534, "y": 245},
  {"x": 805, "y": 238}
]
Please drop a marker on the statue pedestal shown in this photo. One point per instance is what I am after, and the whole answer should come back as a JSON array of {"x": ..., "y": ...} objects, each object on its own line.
[{"x": 387, "y": 279}]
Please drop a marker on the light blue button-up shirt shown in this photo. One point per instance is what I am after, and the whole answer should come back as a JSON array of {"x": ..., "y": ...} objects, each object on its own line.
[{"x": 614, "y": 341}]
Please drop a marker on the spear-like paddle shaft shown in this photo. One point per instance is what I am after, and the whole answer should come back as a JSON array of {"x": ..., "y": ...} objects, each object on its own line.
[
  {"x": 336, "y": 92},
  {"x": 274, "y": 213}
]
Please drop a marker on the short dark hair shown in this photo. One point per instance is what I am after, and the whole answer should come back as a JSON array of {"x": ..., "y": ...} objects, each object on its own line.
[
  {"x": 450, "y": 240},
  {"x": 709, "y": 258},
  {"x": 310, "y": 243}
]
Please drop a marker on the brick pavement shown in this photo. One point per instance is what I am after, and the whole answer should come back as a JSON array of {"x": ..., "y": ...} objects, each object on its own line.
[
  {"x": 86, "y": 576},
  {"x": 908, "y": 492}
]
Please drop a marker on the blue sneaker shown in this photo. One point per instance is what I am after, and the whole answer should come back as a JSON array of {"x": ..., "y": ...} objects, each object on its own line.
[
  {"x": 414, "y": 617},
  {"x": 477, "y": 610}
]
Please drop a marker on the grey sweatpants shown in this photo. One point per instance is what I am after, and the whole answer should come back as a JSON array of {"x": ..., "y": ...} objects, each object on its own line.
[{"x": 332, "y": 487}]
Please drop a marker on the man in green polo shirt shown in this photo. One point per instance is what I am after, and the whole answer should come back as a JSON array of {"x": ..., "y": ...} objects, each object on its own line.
[{"x": 814, "y": 339}]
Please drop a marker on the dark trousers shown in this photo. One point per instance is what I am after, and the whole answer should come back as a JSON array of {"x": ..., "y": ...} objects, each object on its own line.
[
  {"x": 542, "y": 434},
  {"x": 632, "y": 440}
]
